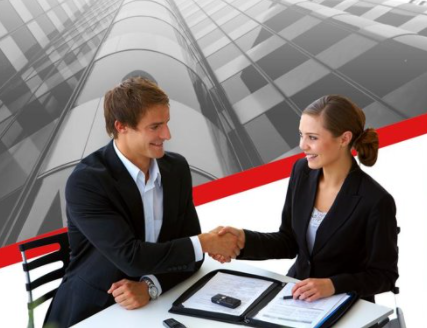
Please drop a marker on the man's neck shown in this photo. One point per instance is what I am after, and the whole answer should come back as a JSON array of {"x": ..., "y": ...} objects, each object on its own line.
[{"x": 141, "y": 162}]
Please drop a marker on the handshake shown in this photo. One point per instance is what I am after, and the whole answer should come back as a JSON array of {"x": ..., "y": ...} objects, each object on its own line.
[{"x": 223, "y": 243}]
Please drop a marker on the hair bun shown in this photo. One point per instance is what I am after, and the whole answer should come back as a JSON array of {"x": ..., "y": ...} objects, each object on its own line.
[
  {"x": 339, "y": 114},
  {"x": 366, "y": 145}
]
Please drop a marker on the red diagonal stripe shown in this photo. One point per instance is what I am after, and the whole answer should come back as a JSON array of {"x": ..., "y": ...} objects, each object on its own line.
[
  {"x": 281, "y": 169},
  {"x": 252, "y": 178}
]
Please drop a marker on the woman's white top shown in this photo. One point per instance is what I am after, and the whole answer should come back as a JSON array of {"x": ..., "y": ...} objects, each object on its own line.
[{"x": 316, "y": 219}]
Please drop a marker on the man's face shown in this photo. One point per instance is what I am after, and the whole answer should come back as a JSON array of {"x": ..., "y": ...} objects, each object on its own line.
[{"x": 146, "y": 140}]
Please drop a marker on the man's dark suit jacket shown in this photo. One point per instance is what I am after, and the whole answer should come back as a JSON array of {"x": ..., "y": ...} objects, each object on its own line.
[
  {"x": 106, "y": 230},
  {"x": 355, "y": 245}
]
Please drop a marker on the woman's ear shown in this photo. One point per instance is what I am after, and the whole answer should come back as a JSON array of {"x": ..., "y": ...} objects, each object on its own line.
[{"x": 346, "y": 138}]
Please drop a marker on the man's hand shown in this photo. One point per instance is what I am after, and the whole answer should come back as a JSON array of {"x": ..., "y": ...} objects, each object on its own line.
[
  {"x": 312, "y": 289},
  {"x": 239, "y": 233},
  {"x": 225, "y": 245},
  {"x": 130, "y": 294}
]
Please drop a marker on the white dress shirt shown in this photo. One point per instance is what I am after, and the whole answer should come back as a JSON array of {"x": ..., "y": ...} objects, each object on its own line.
[{"x": 152, "y": 199}]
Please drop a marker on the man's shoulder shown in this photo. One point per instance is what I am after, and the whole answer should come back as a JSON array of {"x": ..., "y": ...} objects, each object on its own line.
[
  {"x": 91, "y": 166},
  {"x": 174, "y": 159},
  {"x": 171, "y": 156},
  {"x": 95, "y": 160},
  {"x": 174, "y": 166}
]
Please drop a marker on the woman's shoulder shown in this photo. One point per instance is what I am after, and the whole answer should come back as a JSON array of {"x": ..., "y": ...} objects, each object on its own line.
[
  {"x": 301, "y": 165},
  {"x": 372, "y": 189}
]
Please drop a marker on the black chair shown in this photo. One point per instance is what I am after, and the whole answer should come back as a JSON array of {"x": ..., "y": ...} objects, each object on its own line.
[
  {"x": 399, "y": 321},
  {"x": 63, "y": 255}
]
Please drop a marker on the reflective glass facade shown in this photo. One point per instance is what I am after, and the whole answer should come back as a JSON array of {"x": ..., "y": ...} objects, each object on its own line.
[{"x": 238, "y": 73}]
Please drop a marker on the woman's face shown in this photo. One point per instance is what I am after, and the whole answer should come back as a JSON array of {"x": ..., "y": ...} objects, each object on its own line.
[{"x": 321, "y": 148}]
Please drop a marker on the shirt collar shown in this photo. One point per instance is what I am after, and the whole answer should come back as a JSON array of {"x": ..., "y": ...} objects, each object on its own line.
[{"x": 133, "y": 170}]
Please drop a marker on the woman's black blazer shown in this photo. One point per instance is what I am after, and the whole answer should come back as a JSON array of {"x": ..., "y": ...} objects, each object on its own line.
[{"x": 355, "y": 245}]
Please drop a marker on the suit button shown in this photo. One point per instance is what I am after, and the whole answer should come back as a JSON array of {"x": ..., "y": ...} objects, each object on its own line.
[{"x": 309, "y": 263}]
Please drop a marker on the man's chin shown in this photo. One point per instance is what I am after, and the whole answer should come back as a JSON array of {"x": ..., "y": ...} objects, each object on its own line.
[{"x": 158, "y": 154}]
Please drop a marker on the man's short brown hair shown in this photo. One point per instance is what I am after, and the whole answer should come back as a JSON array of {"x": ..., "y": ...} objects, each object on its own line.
[{"x": 129, "y": 101}]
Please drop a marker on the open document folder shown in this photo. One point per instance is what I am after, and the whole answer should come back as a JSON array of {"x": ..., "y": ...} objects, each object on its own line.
[
  {"x": 300, "y": 314},
  {"x": 262, "y": 303}
]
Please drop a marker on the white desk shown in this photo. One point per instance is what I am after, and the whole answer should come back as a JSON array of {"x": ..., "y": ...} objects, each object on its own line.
[{"x": 362, "y": 314}]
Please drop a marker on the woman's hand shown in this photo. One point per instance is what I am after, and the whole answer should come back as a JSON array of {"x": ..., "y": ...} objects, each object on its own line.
[{"x": 313, "y": 289}]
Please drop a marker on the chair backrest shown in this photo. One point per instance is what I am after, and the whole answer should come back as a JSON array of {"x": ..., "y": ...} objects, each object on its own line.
[
  {"x": 399, "y": 321},
  {"x": 62, "y": 254}
]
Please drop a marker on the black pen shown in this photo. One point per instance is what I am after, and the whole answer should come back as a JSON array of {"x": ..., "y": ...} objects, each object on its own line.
[{"x": 288, "y": 297}]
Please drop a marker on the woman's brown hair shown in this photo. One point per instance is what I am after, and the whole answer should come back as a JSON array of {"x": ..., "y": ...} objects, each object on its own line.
[{"x": 339, "y": 115}]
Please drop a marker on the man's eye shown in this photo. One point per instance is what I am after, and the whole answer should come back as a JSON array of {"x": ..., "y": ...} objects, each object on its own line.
[{"x": 313, "y": 138}]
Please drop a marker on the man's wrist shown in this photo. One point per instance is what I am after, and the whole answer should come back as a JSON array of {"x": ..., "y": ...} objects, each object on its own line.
[
  {"x": 205, "y": 241},
  {"x": 153, "y": 291},
  {"x": 197, "y": 247}
]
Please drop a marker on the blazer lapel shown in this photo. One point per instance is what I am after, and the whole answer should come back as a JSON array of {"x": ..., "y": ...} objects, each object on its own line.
[
  {"x": 344, "y": 204},
  {"x": 127, "y": 189},
  {"x": 304, "y": 203},
  {"x": 169, "y": 186}
]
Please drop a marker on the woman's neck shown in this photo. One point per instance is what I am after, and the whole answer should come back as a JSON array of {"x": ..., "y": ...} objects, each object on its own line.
[{"x": 335, "y": 174}]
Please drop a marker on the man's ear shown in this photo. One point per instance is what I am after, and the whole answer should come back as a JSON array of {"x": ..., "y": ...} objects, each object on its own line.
[{"x": 120, "y": 127}]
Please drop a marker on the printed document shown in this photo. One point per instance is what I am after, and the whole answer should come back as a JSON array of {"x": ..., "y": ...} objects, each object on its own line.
[
  {"x": 296, "y": 313},
  {"x": 243, "y": 288}
]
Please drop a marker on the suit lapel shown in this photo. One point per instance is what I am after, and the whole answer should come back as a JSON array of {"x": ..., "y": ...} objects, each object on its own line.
[
  {"x": 168, "y": 185},
  {"x": 127, "y": 189},
  {"x": 304, "y": 206},
  {"x": 344, "y": 204}
]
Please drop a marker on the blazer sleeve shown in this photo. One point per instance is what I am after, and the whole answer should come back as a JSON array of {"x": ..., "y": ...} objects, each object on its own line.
[
  {"x": 381, "y": 271},
  {"x": 90, "y": 209},
  {"x": 275, "y": 245},
  {"x": 191, "y": 227}
]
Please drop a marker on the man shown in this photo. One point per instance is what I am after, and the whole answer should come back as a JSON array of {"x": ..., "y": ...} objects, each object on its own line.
[{"x": 133, "y": 229}]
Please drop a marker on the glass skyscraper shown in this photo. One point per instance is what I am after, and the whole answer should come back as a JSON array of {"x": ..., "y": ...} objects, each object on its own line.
[{"x": 238, "y": 73}]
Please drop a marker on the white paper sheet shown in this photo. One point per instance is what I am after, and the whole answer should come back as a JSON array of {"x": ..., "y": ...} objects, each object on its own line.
[
  {"x": 298, "y": 314},
  {"x": 245, "y": 289}
]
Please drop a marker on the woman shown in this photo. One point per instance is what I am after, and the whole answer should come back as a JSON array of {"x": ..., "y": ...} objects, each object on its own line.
[{"x": 337, "y": 220}]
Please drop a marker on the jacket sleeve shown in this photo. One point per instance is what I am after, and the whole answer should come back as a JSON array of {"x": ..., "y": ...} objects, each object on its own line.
[
  {"x": 381, "y": 271},
  {"x": 91, "y": 210},
  {"x": 275, "y": 245}
]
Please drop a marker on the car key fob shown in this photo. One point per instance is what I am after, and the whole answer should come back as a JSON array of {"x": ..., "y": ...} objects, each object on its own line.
[
  {"x": 172, "y": 323},
  {"x": 226, "y": 301}
]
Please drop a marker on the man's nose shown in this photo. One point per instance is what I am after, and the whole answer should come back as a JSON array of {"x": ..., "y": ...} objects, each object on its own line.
[{"x": 166, "y": 133}]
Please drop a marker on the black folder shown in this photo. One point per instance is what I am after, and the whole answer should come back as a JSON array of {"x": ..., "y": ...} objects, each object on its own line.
[{"x": 247, "y": 317}]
